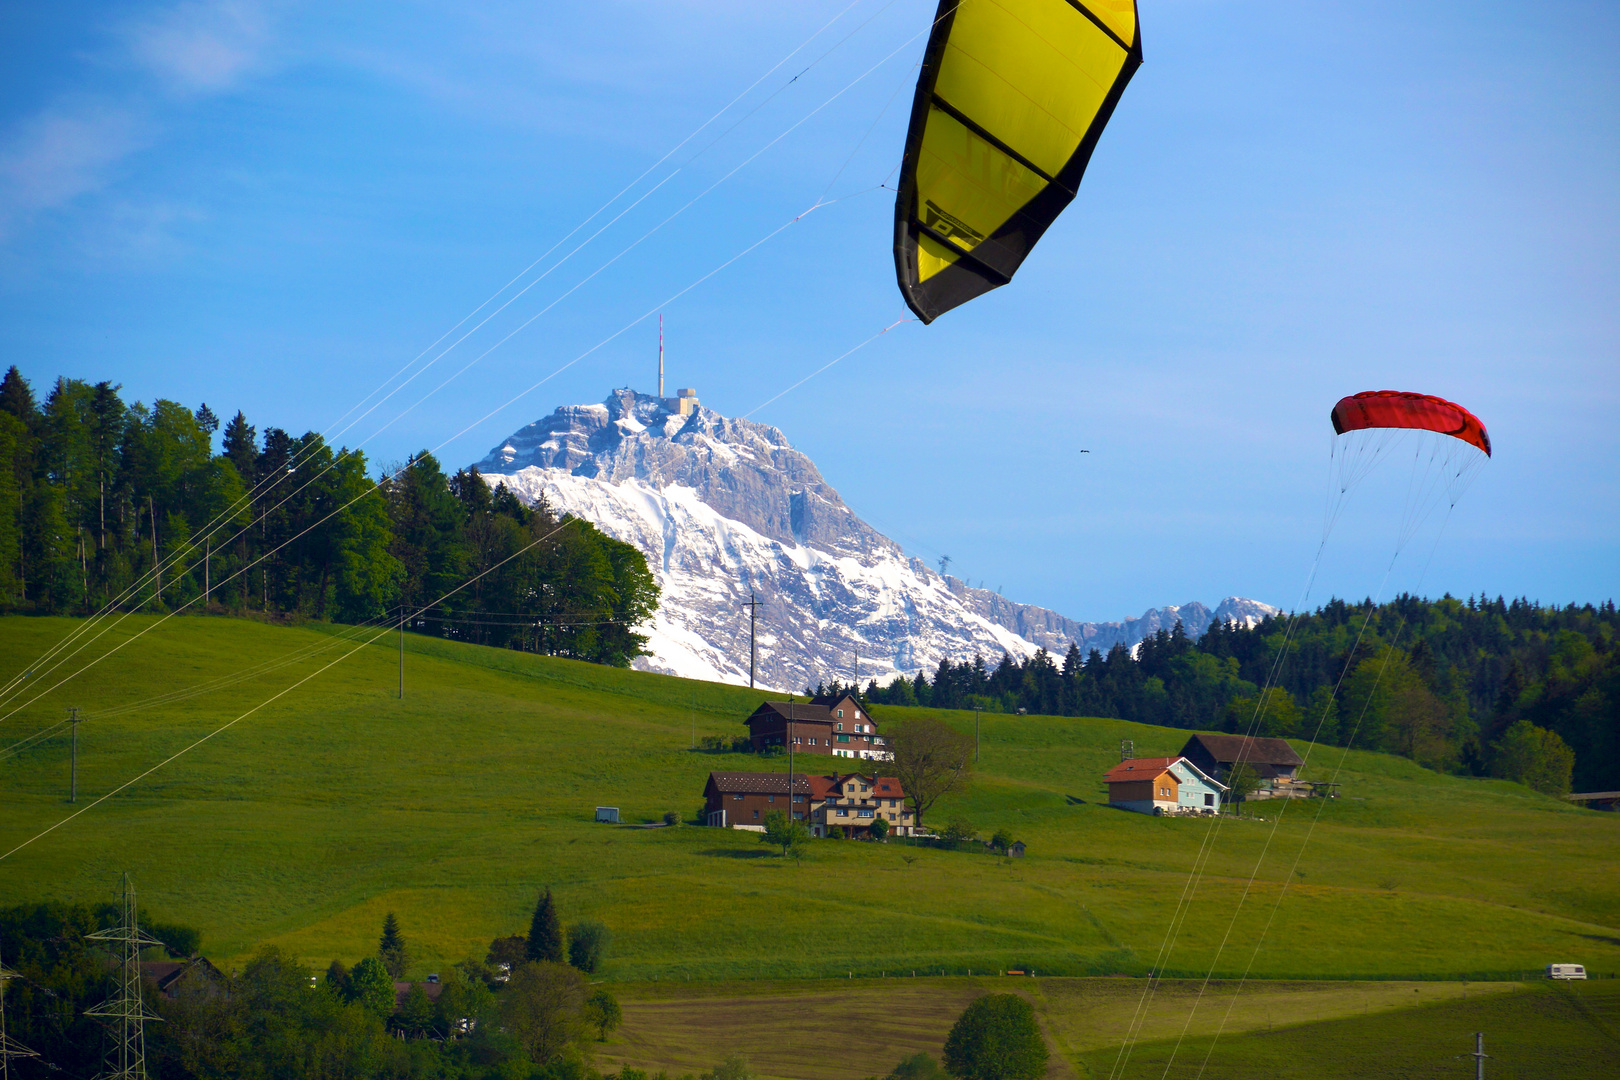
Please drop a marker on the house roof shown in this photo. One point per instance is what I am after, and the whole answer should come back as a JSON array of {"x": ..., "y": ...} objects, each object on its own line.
[
  {"x": 1247, "y": 748},
  {"x": 168, "y": 972},
  {"x": 162, "y": 972},
  {"x": 758, "y": 783},
  {"x": 402, "y": 990},
  {"x": 833, "y": 700},
  {"x": 1140, "y": 768},
  {"x": 796, "y": 711}
]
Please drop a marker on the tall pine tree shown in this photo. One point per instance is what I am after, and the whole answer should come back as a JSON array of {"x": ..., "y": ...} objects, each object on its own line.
[
  {"x": 545, "y": 931},
  {"x": 391, "y": 948}
]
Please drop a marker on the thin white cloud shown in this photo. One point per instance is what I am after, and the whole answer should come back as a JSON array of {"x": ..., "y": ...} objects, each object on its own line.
[
  {"x": 72, "y": 147},
  {"x": 202, "y": 47},
  {"x": 60, "y": 154}
]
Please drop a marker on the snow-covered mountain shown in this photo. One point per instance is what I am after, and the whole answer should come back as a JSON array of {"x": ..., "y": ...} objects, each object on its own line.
[{"x": 726, "y": 510}]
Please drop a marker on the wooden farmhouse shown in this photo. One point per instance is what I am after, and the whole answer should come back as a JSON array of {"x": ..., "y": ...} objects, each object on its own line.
[
  {"x": 838, "y": 726},
  {"x": 1164, "y": 785},
  {"x": 837, "y": 804},
  {"x": 1273, "y": 761}
]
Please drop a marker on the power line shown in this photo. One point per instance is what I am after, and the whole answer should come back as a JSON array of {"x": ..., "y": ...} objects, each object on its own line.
[{"x": 156, "y": 570}]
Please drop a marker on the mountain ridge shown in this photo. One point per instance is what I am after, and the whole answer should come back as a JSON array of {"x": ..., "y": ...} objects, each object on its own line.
[{"x": 727, "y": 510}]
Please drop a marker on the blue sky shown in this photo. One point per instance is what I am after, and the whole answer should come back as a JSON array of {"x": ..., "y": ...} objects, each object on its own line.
[{"x": 274, "y": 207}]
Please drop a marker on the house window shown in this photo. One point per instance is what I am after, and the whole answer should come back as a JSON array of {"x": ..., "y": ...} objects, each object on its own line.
[
  {"x": 840, "y": 713},
  {"x": 849, "y": 787},
  {"x": 756, "y": 813},
  {"x": 739, "y": 798},
  {"x": 770, "y": 798},
  {"x": 1209, "y": 800},
  {"x": 840, "y": 727},
  {"x": 863, "y": 813},
  {"x": 1165, "y": 792},
  {"x": 843, "y": 738}
]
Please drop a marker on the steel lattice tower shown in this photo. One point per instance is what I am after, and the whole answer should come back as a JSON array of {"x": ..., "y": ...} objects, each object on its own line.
[
  {"x": 126, "y": 1012},
  {"x": 9, "y": 1047}
]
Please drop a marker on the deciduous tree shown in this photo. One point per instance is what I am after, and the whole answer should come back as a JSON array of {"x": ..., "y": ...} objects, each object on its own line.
[
  {"x": 931, "y": 760},
  {"x": 542, "y": 1008},
  {"x": 996, "y": 1038}
]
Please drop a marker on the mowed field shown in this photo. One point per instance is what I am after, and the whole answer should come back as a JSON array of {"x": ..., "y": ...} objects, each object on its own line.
[
  {"x": 312, "y": 817},
  {"x": 839, "y": 1029}
]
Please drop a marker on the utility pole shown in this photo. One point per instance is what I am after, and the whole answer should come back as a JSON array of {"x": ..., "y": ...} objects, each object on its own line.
[
  {"x": 208, "y": 568},
  {"x": 73, "y": 775},
  {"x": 1479, "y": 1055},
  {"x": 1127, "y": 749},
  {"x": 753, "y": 616},
  {"x": 791, "y": 816},
  {"x": 126, "y": 1009},
  {"x": 402, "y": 652},
  {"x": 660, "y": 355},
  {"x": 157, "y": 571},
  {"x": 856, "y": 658}
]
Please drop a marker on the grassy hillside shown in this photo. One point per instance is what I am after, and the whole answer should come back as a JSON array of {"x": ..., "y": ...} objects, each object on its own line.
[{"x": 308, "y": 821}]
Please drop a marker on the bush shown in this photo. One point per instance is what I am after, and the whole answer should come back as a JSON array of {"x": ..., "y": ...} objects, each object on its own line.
[
  {"x": 603, "y": 1013},
  {"x": 506, "y": 953},
  {"x": 672, "y": 817},
  {"x": 918, "y": 1066},
  {"x": 958, "y": 830},
  {"x": 1535, "y": 757},
  {"x": 588, "y": 942},
  {"x": 179, "y": 941},
  {"x": 996, "y": 1038},
  {"x": 880, "y": 828},
  {"x": 372, "y": 987},
  {"x": 735, "y": 1067},
  {"x": 1002, "y": 841}
]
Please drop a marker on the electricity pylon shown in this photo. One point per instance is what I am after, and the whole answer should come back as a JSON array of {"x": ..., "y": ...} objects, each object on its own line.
[
  {"x": 125, "y": 1010},
  {"x": 9, "y": 1047}
]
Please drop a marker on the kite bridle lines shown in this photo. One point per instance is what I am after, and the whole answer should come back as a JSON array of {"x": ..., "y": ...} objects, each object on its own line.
[{"x": 1435, "y": 467}]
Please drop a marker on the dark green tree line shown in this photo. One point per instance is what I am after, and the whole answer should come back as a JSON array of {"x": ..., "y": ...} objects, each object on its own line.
[
  {"x": 1440, "y": 681},
  {"x": 102, "y": 502}
]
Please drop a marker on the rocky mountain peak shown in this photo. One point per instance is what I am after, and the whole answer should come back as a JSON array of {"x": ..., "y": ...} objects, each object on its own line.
[
  {"x": 726, "y": 511},
  {"x": 746, "y": 471}
]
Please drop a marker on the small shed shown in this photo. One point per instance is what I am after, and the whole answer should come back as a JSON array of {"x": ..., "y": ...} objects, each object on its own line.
[
  {"x": 1016, "y": 849},
  {"x": 609, "y": 814}
]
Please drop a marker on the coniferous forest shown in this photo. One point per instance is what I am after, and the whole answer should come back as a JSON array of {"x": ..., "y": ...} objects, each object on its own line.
[
  {"x": 1474, "y": 686},
  {"x": 107, "y": 503}
]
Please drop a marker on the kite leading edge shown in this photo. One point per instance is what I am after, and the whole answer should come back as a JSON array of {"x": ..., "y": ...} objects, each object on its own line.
[{"x": 1012, "y": 97}]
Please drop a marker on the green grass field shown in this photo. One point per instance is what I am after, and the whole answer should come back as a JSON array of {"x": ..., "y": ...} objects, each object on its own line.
[{"x": 306, "y": 822}]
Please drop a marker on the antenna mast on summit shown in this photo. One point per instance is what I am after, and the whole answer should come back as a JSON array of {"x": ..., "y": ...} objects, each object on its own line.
[{"x": 660, "y": 354}]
